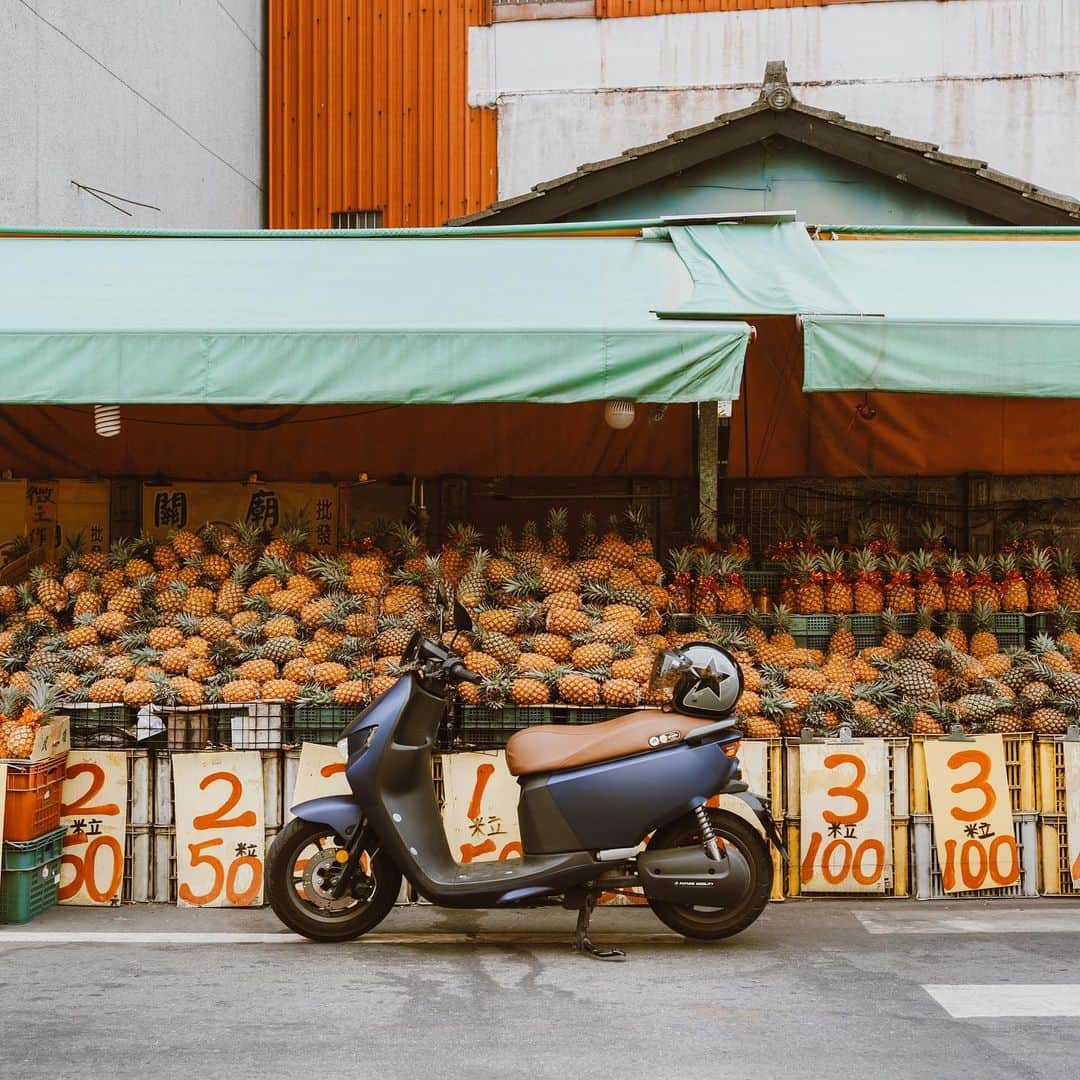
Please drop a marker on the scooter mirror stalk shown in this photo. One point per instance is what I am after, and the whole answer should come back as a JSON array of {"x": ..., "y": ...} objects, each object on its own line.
[{"x": 462, "y": 619}]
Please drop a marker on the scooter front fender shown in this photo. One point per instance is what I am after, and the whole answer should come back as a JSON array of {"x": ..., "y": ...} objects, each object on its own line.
[
  {"x": 340, "y": 812},
  {"x": 761, "y": 812}
]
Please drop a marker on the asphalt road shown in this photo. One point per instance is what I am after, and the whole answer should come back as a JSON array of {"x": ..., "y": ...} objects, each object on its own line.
[{"x": 817, "y": 989}]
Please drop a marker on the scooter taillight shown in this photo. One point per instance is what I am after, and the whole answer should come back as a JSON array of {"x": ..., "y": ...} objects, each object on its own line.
[{"x": 731, "y": 748}]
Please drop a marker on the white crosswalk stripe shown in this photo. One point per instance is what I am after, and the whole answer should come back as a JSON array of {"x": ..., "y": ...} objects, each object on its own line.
[
  {"x": 971, "y": 1000},
  {"x": 1003, "y": 921}
]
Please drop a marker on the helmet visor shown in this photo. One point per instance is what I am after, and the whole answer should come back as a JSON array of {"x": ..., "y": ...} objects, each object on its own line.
[{"x": 668, "y": 668}]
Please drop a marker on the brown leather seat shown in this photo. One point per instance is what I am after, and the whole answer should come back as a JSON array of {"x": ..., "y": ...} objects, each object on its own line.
[{"x": 549, "y": 747}]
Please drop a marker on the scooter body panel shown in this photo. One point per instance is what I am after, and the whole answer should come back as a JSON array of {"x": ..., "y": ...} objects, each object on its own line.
[
  {"x": 391, "y": 779},
  {"x": 613, "y": 804}
]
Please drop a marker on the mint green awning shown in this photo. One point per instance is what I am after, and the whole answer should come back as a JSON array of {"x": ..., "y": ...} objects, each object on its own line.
[
  {"x": 998, "y": 318},
  {"x": 274, "y": 319},
  {"x": 749, "y": 269}
]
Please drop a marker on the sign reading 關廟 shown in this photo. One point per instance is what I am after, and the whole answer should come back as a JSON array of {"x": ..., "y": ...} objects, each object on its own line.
[
  {"x": 219, "y": 829},
  {"x": 265, "y": 506},
  {"x": 973, "y": 827},
  {"x": 845, "y": 828}
]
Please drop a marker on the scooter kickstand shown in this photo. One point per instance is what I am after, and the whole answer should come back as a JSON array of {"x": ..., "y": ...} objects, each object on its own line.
[{"x": 581, "y": 935}]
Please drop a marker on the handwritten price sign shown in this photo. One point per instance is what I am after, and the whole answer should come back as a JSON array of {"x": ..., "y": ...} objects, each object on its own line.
[
  {"x": 219, "y": 829},
  {"x": 94, "y": 809},
  {"x": 321, "y": 772},
  {"x": 1072, "y": 806},
  {"x": 480, "y": 816},
  {"x": 973, "y": 828},
  {"x": 846, "y": 833}
]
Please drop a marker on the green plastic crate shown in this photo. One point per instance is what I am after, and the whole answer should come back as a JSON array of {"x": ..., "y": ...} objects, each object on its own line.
[
  {"x": 1010, "y": 628},
  {"x": 26, "y": 893},
  {"x": 318, "y": 723},
  {"x": 101, "y": 727},
  {"x": 867, "y": 630},
  {"x": 763, "y": 579},
  {"x": 28, "y": 854}
]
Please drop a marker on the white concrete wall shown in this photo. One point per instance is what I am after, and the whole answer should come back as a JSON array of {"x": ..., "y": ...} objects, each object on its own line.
[
  {"x": 992, "y": 79},
  {"x": 156, "y": 100}
]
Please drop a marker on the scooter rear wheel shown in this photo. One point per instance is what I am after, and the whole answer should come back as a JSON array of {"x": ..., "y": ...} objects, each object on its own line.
[
  {"x": 711, "y": 924},
  {"x": 300, "y": 869}
]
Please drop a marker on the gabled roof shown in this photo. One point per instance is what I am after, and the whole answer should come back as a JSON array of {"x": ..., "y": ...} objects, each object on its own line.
[{"x": 924, "y": 165}]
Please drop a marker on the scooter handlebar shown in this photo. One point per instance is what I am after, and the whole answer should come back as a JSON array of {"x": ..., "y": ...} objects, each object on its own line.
[{"x": 458, "y": 672}]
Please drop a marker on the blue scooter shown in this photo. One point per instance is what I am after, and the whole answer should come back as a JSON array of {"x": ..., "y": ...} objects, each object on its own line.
[{"x": 589, "y": 794}]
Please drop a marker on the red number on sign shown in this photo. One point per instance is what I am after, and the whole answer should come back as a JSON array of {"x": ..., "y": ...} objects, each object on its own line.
[
  {"x": 86, "y": 868},
  {"x": 976, "y": 861},
  {"x": 851, "y": 862},
  {"x": 215, "y": 819},
  {"x": 979, "y": 782},
  {"x": 332, "y": 769},
  {"x": 852, "y": 791},
  {"x": 223, "y": 879},
  {"x": 1076, "y": 869},
  {"x": 97, "y": 782}
]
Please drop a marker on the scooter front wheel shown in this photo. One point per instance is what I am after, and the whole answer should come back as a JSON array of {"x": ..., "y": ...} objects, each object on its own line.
[
  {"x": 711, "y": 924},
  {"x": 302, "y": 866}
]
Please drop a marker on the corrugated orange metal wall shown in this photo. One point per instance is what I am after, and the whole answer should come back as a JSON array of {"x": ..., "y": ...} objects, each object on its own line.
[
  {"x": 617, "y": 9},
  {"x": 368, "y": 111}
]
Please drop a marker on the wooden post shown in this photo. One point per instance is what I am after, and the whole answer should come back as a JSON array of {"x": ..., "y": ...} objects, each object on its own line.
[{"x": 708, "y": 493}]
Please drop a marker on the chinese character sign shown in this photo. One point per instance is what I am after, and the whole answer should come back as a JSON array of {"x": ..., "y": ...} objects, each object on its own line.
[
  {"x": 321, "y": 772},
  {"x": 219, "y": 829},
  {"x": 1072, "y": 806},
  {"x": 94, "y": 809},
  {"x": 41, "y": 515},
  {"x": 480, "y": 815},
  {"x": 264, "y": 506},
  {"x": 846, "y": 831},
  {"x": 83, "y": 510},
  {"x": 973, "y": 828}
]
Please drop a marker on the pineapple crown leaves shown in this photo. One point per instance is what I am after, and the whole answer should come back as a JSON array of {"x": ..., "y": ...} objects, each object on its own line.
[
  {"x": 259, "y": 604},
  {"x": 121, "y": 552},
  {"x": 188, "y": 625},
  {"x": 831, "y": 561},
  {"x": 274, "y": 567},
  {"x": 1064, "y": 621},
  {"x": 295, "y": 527},
  {"x": 707, "y": 564},
  {"x": 637, "y": 521},
  {"x": 43, "y": 698},
  {"x": 12, "y": 700},
  {"x": 681, "y": 560},
  {"x": 982, "y": 616},
  {"x": 1042, "y": 644},
  {"x": 932, "y": 531},
  {"x": 329, "y": 570},
  {"x": 557, "y": 519},
  {"x": 881, "y": 692},
  {"x": 521, "y": 584}
]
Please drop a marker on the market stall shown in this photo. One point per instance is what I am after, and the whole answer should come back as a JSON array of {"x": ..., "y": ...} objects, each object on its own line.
[{"x": 254, "y": 404}]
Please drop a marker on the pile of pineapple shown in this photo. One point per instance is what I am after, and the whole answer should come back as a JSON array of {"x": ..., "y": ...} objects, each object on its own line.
[
  {"x": 228, "y": 615},
  {"x": 874, "y": 574},
  {"x": 924, "y": 684}
]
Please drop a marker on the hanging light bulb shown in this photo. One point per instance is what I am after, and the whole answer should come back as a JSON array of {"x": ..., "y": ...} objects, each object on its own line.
[
  {"x": 619, "y": 414},
  {"x": 107, "y": 420}
]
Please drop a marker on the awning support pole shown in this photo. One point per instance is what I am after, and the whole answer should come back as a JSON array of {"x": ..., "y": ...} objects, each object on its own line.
[{"x": 707, "y": 459}]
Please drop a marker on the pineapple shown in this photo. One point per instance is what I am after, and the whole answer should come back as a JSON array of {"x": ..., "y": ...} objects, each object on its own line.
[
  {"x": 838, "y": 594},
  {"x": 613, "y": 549},
  {"x": 975, "y": 710},
  {"x": 735, "y": 597},
  {"x": 868, "y": 595},
  {"x": 1065, "y": 627},
  {"x": 1051, "y": 718},
  {"x": 892, "y": 639},
  {"x": 577, "y": 688},
  {"x": 899, "y": 595},
  {"x": 983, "y": 642},
  {"x": 983, "y": 590},
  {"x": 1013, "y": 588},
  {"x": 527, "y": 692},
  {"x": 1068, "y": 585},
  {"x": 809, "y": 594},
  {"x": 842, "y": 641},
  {"x": 556, "y": 525},
  {"x": 50, "y": 593},
  {"x": 932, "y": 541},
  {"x": 1042, "y": 590},
  {"x": 706, "y": 586},
  {"x": 929, "y": 593},
  {"x": 952, "y": 633},
  {"x": 472, "y": 588},
  {"x": 620, "y": 693}
]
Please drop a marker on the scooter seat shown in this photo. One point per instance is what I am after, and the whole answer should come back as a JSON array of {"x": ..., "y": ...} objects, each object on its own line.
[{"x": 551, "y": 747}]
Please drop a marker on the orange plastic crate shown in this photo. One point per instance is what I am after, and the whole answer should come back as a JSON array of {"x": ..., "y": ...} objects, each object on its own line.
[{"x": 32, "y": 806}]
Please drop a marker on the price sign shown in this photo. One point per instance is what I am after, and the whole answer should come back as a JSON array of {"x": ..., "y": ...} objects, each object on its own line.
[
  {"x": 94, "y": 810},
  {"x": 973, "y": 828},
  {"x": 321, "y": 772},
  {"x": 219, "y": 829},
  {"x": 1072, "y": 806},
  {"x": 846, "y": 832},
  {"x": 480, "y": 816}
]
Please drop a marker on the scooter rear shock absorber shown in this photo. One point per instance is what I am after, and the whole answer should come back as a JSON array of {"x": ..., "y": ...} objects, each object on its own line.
[{"x": 708, "y": 837}]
